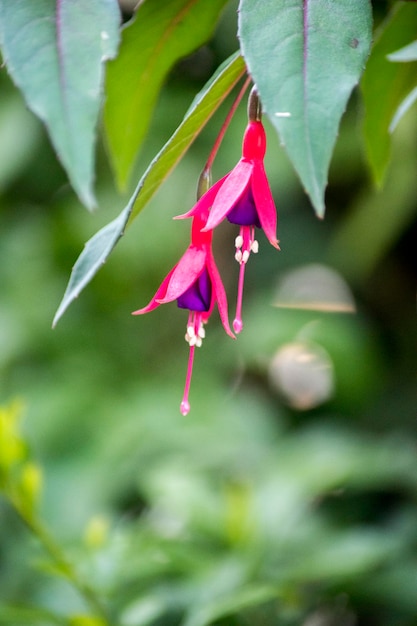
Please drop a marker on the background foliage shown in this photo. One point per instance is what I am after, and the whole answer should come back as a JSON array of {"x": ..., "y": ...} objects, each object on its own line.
[{"x": 268, "y": 504}]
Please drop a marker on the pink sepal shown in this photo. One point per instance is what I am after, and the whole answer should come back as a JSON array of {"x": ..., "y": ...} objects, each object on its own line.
[
  {"x": 156, "y": 300},
  {"x": 178, "y": 280},
  {"x": 264, "y": 202},
  {"x": 205, "y": 202},
  {"x": 231, "y": 190},
  {"x": 185, "y": 273}
]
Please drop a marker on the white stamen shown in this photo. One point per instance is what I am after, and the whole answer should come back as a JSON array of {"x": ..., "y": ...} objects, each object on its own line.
[
  {"x": 254, "y": 246},
  {"x": 190, "y": 331},
  {"x": 238, "y": 256},
  {"x": 245, "y": 256},
  {"x": 239, "y": 241},
  {"x": 199, "y": 342},
  {"x": 193, "y": 341},
  {"x": 201, "y": 332}
]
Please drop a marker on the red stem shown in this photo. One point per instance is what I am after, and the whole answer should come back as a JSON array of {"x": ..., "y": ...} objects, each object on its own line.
[{"x": 224, "y": 127}]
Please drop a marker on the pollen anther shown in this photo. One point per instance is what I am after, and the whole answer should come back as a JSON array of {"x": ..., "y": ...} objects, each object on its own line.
[{"x": 239, "y": 241}]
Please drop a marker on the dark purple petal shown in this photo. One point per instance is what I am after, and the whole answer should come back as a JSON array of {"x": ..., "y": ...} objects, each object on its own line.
[
  {"x": 244, "y": 212},
  {"x": 198, "y": 296}
]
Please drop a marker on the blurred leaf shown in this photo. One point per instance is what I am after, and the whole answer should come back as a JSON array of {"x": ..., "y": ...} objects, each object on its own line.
[
  {"x": 12, "y": 446},
  {"x": 385, "y": 85},
  {"x": 19, "y": 138},
  {"x": 159, "y": 35},
  {"x": 246, "y": 597},
  {"x": 54, "y": 52},
  {"x": 344, "y": 555},
  {"x": 377, "y": 220},
  {"x": 29, "y": 487},
  {"x": 145, "y": 611},
  {"x": 286, "y": 46},
  {"x": 33, "y": 616},
  {"x": 98, "y": 249},
  {"x": 396, "y": 587},
  {"x": 97, "y": 532},
  {"x": 86, "y": 620},
  {"x": 406, "y": 104},
  {"x": 408, "y": 53}
]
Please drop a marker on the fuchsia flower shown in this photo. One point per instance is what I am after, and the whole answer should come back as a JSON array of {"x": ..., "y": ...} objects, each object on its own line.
[
  {"x": 195, "y": 283},
  {"x": 243, "y": 197}
]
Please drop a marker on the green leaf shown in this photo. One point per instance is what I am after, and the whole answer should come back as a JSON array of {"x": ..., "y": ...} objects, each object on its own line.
[
  {"x": 99, "y": 247},
  {"x": 305, "y": 59},
  {"x": 54, "y": 52},
  {"x": 152, "y": 43},
  {"x": 385, "y": 85}
]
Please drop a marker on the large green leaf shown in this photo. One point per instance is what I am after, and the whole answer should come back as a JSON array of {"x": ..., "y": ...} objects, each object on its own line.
[
  {"x": 99, "y": 247},
  {"x": 385, "y": 85},
  {"x": 160, "y": 34},
  {"x": 305, "y": 57},
  {"x": 54, "y": 51}
]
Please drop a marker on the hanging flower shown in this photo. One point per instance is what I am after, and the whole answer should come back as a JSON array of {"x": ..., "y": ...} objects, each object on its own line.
[
  {"x": 196, "y": 285},
  {"x": 243, "y": 197}
]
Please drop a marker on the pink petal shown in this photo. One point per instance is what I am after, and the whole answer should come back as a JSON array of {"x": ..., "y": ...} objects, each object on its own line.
[
  {"x": 264, "y": 203},
  {"x": 205, "y": 202},
  {"x": 160, "y": 294},
  {"x": 185, "y": 273},
  {"x": 219, "y": 294},
  {"x": 230, "y": 192}
]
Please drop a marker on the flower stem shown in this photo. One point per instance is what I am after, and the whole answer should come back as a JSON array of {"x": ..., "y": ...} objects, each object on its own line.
[{"x": 205, "y": 174}]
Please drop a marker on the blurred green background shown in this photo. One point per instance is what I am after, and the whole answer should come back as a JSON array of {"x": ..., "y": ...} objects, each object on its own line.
[{"x": 288, "y": 495}]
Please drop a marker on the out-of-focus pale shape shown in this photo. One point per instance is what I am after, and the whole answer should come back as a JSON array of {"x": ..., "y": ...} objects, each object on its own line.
[
  {"x": 129, "y": 5},
  {"x": 302, "y": 372},
  {"x": 315, "y": 287}
]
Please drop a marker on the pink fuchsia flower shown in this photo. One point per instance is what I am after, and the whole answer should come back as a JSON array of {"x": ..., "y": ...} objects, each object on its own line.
[
  {"x": 195, "y": 283},
  {"x": 243, "y": 197}
]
